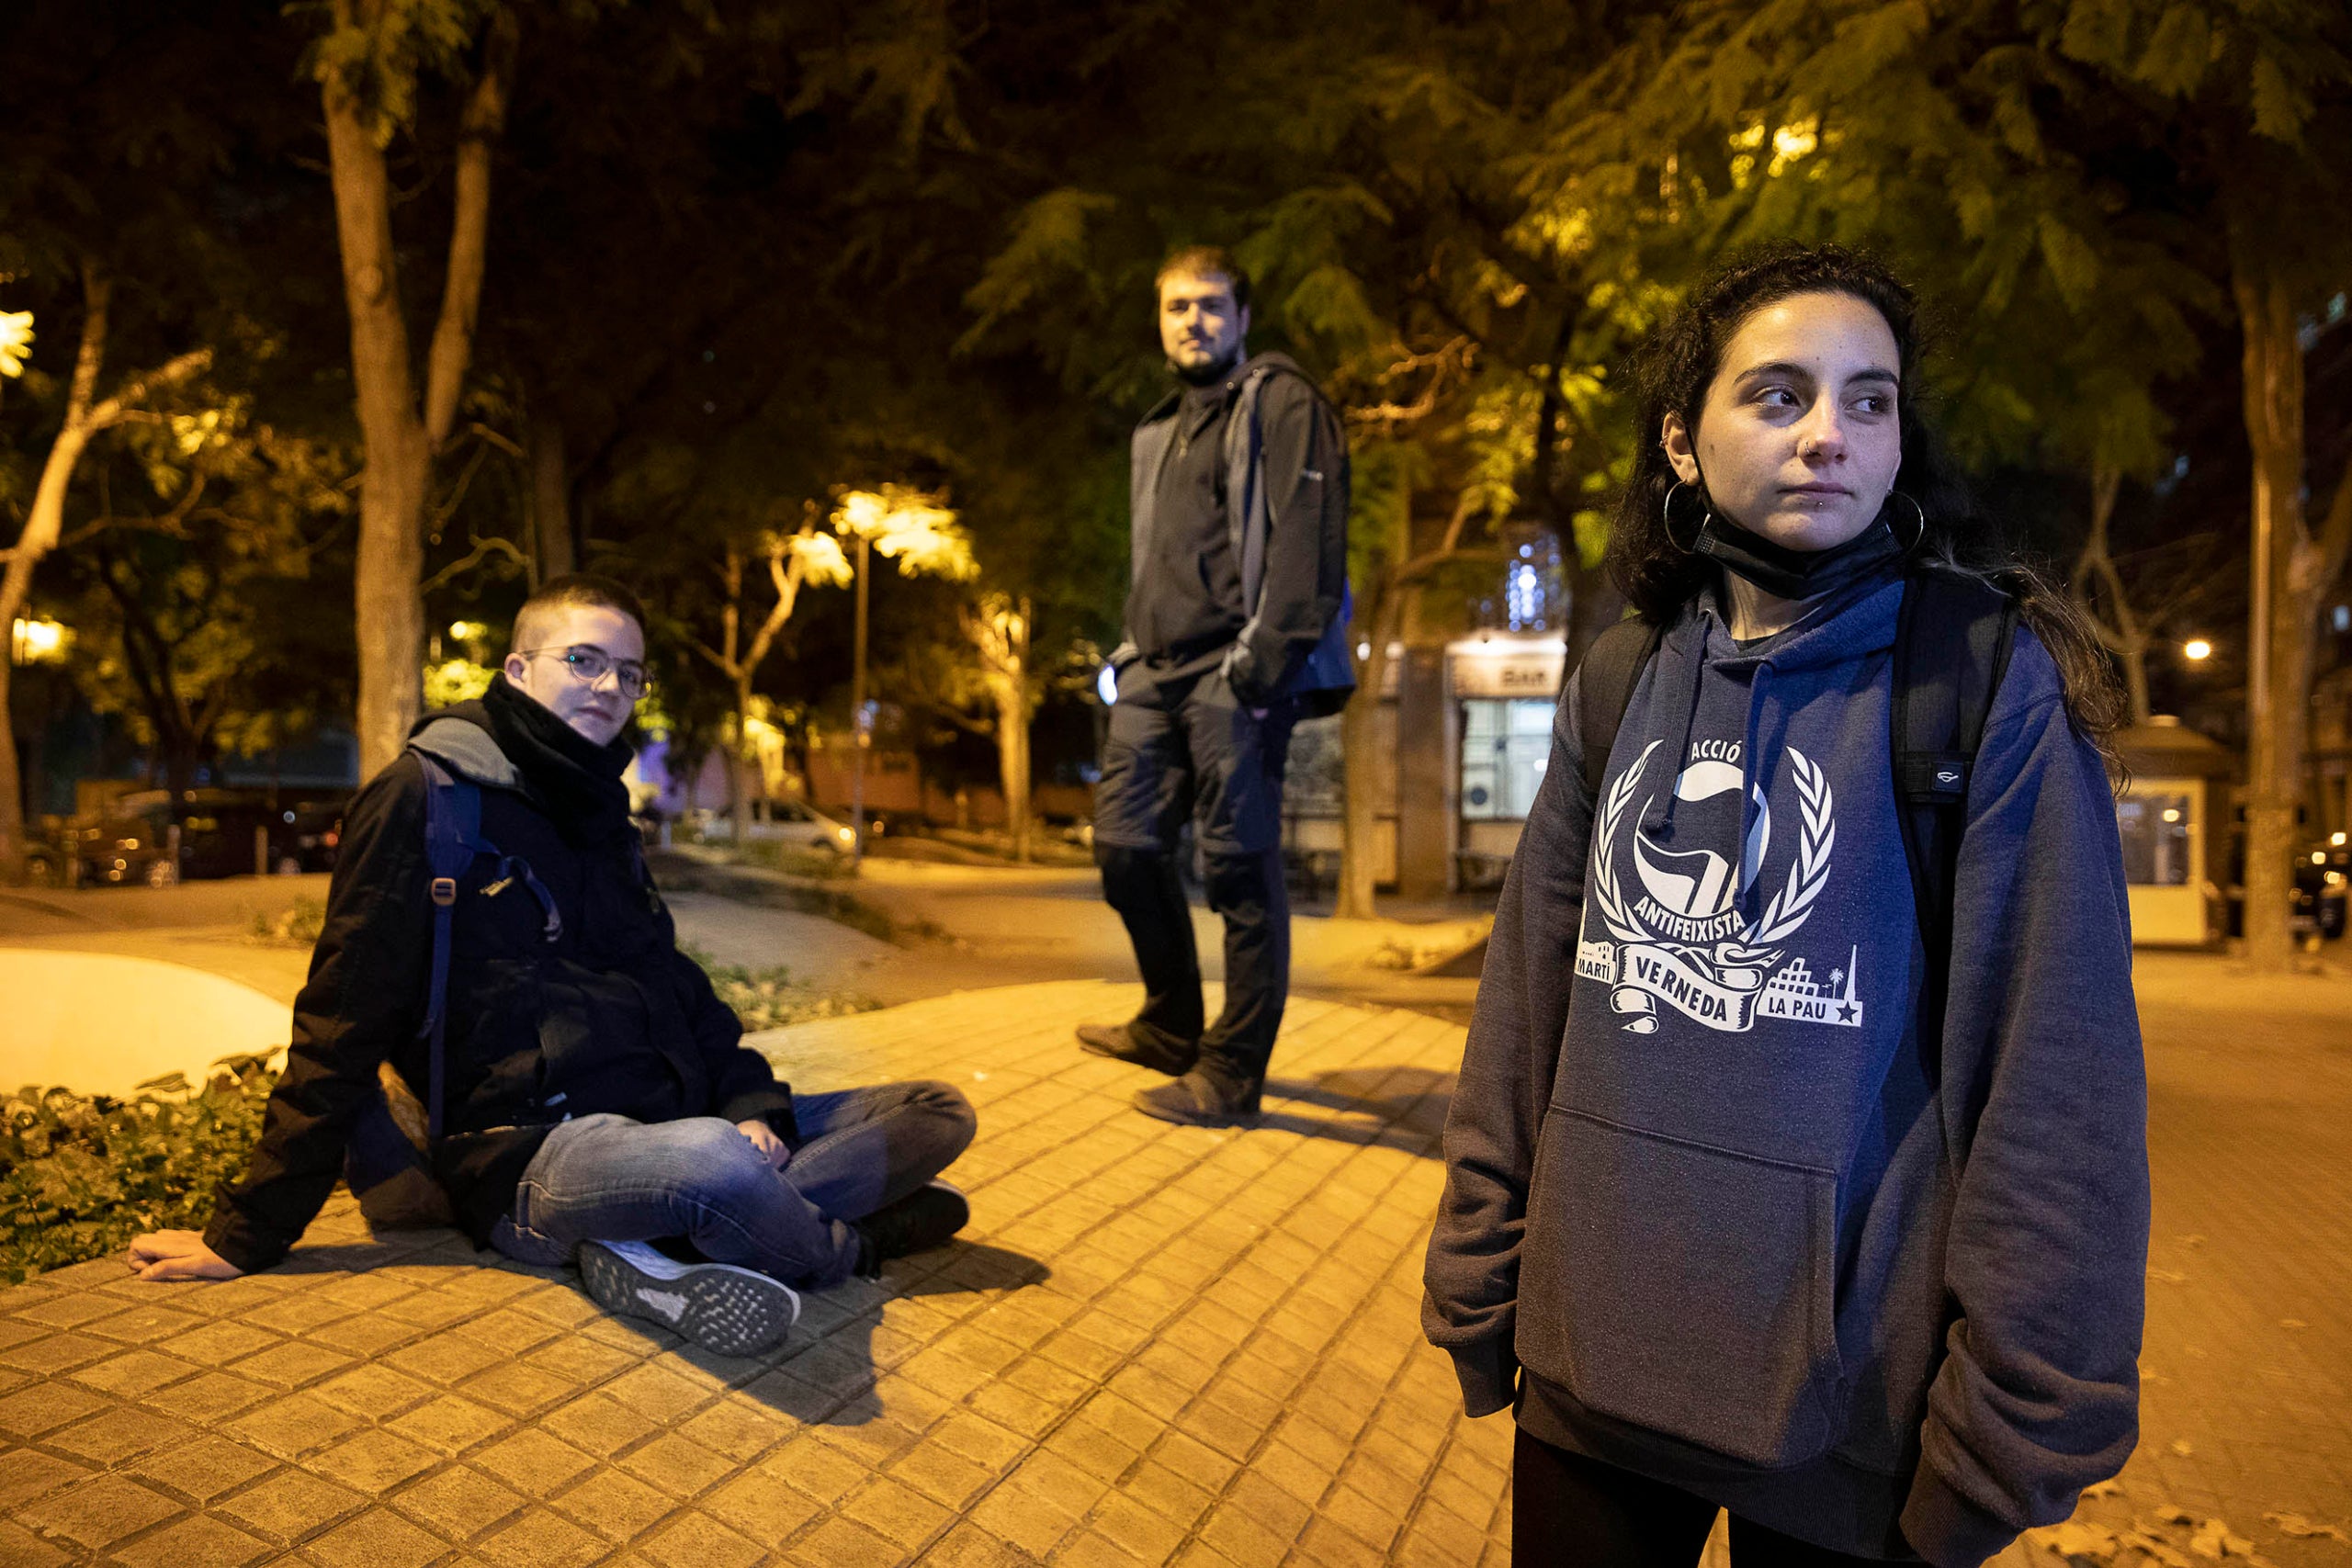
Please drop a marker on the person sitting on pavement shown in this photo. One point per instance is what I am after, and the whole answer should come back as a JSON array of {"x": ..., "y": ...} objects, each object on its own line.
[{"x": 600, "y": 1104}]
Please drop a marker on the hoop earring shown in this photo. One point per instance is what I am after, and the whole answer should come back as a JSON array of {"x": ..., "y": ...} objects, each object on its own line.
[
  {"x": 1919, "y": 531},
  {"x": 1666, "y": 515}
]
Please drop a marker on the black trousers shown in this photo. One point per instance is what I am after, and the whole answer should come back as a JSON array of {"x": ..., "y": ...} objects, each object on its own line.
[
  {"x": 1181, "y": 748},
  {"x": 1568, "y": 1511}
]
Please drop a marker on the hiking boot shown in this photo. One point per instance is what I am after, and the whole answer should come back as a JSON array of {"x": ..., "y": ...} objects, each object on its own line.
[
  {"x": 1141, "y": 1045},
  {"x": 928, "y": 1216},
  {"x": 1201, "y": 1099},
  {"x": 721, "y": 1307}
]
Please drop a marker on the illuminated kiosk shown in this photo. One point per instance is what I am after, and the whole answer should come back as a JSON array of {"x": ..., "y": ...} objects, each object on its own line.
[{"x": 2180, "y": 790}]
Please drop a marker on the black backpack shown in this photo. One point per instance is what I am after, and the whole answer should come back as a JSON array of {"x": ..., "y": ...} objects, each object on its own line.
[
  {"x": 1951, "y": 646},
  {"x": 387, "y": 1161}
]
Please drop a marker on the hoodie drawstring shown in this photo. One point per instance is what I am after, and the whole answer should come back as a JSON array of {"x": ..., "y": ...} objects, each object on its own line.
[
  {"x": 1750, "y": 774},
  {"x": 1681, "y": 706}
]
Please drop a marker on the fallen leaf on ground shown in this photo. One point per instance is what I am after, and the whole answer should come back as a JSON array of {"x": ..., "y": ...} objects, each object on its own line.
[
  {"x": 2173, "y": 1514},
  {"x": 2104, "y": 1489},
  {"x": 2077, "y": 1542},
  {"x": 2168, "y": 1276},
  {"x": 2213, "y": 1540},
  {"x": 2170, "y": 1556},
  {"x": 2303, "y": 1529},
  {"x": 2292, "y": 1322},
  {"x": 2181, "y": 1447}
]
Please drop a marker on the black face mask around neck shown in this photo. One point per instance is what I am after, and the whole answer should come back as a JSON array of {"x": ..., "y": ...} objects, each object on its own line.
[{"x": 1794, "y": 574}]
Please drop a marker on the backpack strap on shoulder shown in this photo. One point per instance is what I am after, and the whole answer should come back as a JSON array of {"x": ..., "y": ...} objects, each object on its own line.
[
  {"x": 1244, "y": 442},
  {"x": 1952, "y": 638},
  {"x": 1611, "y": 668},
  {"x": 452, "y": 838}
]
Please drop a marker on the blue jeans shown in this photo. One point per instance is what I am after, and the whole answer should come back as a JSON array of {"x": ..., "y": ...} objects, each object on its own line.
[{"x": 607, "y": 1177}]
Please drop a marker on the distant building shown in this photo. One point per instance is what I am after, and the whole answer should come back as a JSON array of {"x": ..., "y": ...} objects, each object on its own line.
[{"x": 1463, "y": 727}]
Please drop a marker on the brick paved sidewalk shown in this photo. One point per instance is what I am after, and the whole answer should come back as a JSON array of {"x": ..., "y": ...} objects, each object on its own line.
[{"x": 1158, "y": 1345}]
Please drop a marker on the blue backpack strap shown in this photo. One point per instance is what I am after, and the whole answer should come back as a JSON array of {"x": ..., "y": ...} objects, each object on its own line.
[{"x": 452, "y": 836}]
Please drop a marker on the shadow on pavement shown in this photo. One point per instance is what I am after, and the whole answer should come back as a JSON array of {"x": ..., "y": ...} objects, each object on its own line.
[
  {"x": 1404, "y": 1106},
  {"x": 823, "y": 1374}
]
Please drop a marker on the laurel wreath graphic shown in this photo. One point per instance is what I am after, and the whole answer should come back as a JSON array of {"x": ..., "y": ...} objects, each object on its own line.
[
  {"x": 1794, "y": 902},
  {"x": 1614, "y": 912},
  {"x": 1788, "y": 908}
]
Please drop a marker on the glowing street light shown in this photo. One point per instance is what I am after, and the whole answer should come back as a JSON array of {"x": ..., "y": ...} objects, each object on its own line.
[
  {"x": 2197, "y": 650},
  {"x": 16, "y": 341},
  {"x": 919, "y": 531},
  {"x": 38, "y": 642}
]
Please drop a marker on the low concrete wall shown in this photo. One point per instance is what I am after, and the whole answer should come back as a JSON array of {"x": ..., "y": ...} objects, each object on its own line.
[{"x": 100, "y": 1024}]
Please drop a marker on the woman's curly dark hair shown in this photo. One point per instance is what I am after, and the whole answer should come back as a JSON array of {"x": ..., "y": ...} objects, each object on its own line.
[{"x": 1674, "y": 369}]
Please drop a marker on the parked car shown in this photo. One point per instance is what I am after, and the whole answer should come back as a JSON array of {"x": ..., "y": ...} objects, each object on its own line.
[
  {"x": 2317, "y": 894},
  {"x": 2321, "y": 874},
  {"x": 794, "y": 824},
  {"x": 125, "y": 845},
  {"x": 241, "y": 833},
  {"x": 222, "y": 833}
]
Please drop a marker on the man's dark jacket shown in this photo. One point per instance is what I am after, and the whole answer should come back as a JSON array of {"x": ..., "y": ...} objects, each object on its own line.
[
  {"x": 603, "y": 1015},
  {"x": 1286, "y": 500}
]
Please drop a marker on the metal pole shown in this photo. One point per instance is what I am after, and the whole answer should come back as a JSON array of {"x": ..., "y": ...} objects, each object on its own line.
[{"x": 859, "y": 726}]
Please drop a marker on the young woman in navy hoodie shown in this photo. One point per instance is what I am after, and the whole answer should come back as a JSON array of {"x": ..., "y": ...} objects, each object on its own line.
[{"x": 1719, "y": 1225}]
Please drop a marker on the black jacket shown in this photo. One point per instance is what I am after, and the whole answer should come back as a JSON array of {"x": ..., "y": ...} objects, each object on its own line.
[
  {"x": 1285, "y": 499},
  {"x": 607, "y": 1016}
]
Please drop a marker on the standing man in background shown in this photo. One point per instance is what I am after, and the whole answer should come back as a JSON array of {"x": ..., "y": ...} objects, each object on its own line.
[{"x": 1235, "y": 629}]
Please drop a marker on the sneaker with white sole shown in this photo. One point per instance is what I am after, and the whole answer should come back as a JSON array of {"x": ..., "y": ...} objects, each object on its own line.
[{"x": 719, "y": 1306}]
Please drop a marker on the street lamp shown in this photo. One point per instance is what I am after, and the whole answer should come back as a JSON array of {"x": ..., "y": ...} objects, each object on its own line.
[
  {"x": 2197, "y": 650},
  {"x": 38, "y": 642},
  {"x": 919, "y": 531}
]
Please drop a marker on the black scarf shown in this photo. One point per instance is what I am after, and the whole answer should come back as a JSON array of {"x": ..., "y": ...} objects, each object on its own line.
[
  {"x": 575, "y": 780},
  {"x": 1794, "y": 574}
]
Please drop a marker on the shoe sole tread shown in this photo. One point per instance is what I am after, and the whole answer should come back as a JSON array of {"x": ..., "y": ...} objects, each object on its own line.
[{"x": 730, "y": 1311}]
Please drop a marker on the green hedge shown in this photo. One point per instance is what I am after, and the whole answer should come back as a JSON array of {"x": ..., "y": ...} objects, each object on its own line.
[
  {"x": 80, "y": 1175},
  {"x": 769, "y": 999}
]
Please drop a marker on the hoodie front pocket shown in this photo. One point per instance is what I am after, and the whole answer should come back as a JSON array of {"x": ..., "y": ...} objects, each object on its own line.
[{"x": 1683, "y": 1288}]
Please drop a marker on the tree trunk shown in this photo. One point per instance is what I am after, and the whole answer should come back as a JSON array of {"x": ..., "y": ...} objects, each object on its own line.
[
  {"x": 2135, "y": 681},
  {"x": 2278, "y": 667},
  {"x": 45, "y": 523},
  {"x": 43, "y": 526},
  {"x": 552, "y": 553},
  {"x": 1012, "y": 763},
  {"x": 400, "y": 435},
  {"x": 1360, "y": 761},
  {"x": 2119, "y": 628},
  {"x": 738, "y": 762}
]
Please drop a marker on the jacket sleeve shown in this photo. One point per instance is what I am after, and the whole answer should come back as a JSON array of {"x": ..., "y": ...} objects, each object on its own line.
[
  {"x": 365, "y": 996},
  {"x": 2046, "y": 1116},
  {"x": 743, "y": 1087},
  {"x": 1306, "y": 455},
  {"x": 1472, "y": 1276}
]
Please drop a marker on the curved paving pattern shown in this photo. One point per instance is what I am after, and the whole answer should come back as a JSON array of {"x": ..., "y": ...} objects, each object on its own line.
[{"x": 1158, "y": 1344}]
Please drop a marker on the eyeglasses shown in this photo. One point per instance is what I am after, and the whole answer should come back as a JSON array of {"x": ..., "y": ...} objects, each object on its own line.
[{"x": 592, "y": 665}]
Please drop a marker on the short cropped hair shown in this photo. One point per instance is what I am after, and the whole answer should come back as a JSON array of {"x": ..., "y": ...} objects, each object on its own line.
[
  {"x": 578, "y": 589},
  {"x": 1201, "y": 261}
]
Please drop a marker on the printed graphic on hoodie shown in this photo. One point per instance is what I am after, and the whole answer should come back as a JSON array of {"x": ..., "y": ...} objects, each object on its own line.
[{"x": 1683, "y": 935}]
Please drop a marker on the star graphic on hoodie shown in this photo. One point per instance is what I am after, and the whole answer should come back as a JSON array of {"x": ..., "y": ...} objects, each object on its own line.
[{"x": 1846, "y": 1012}]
